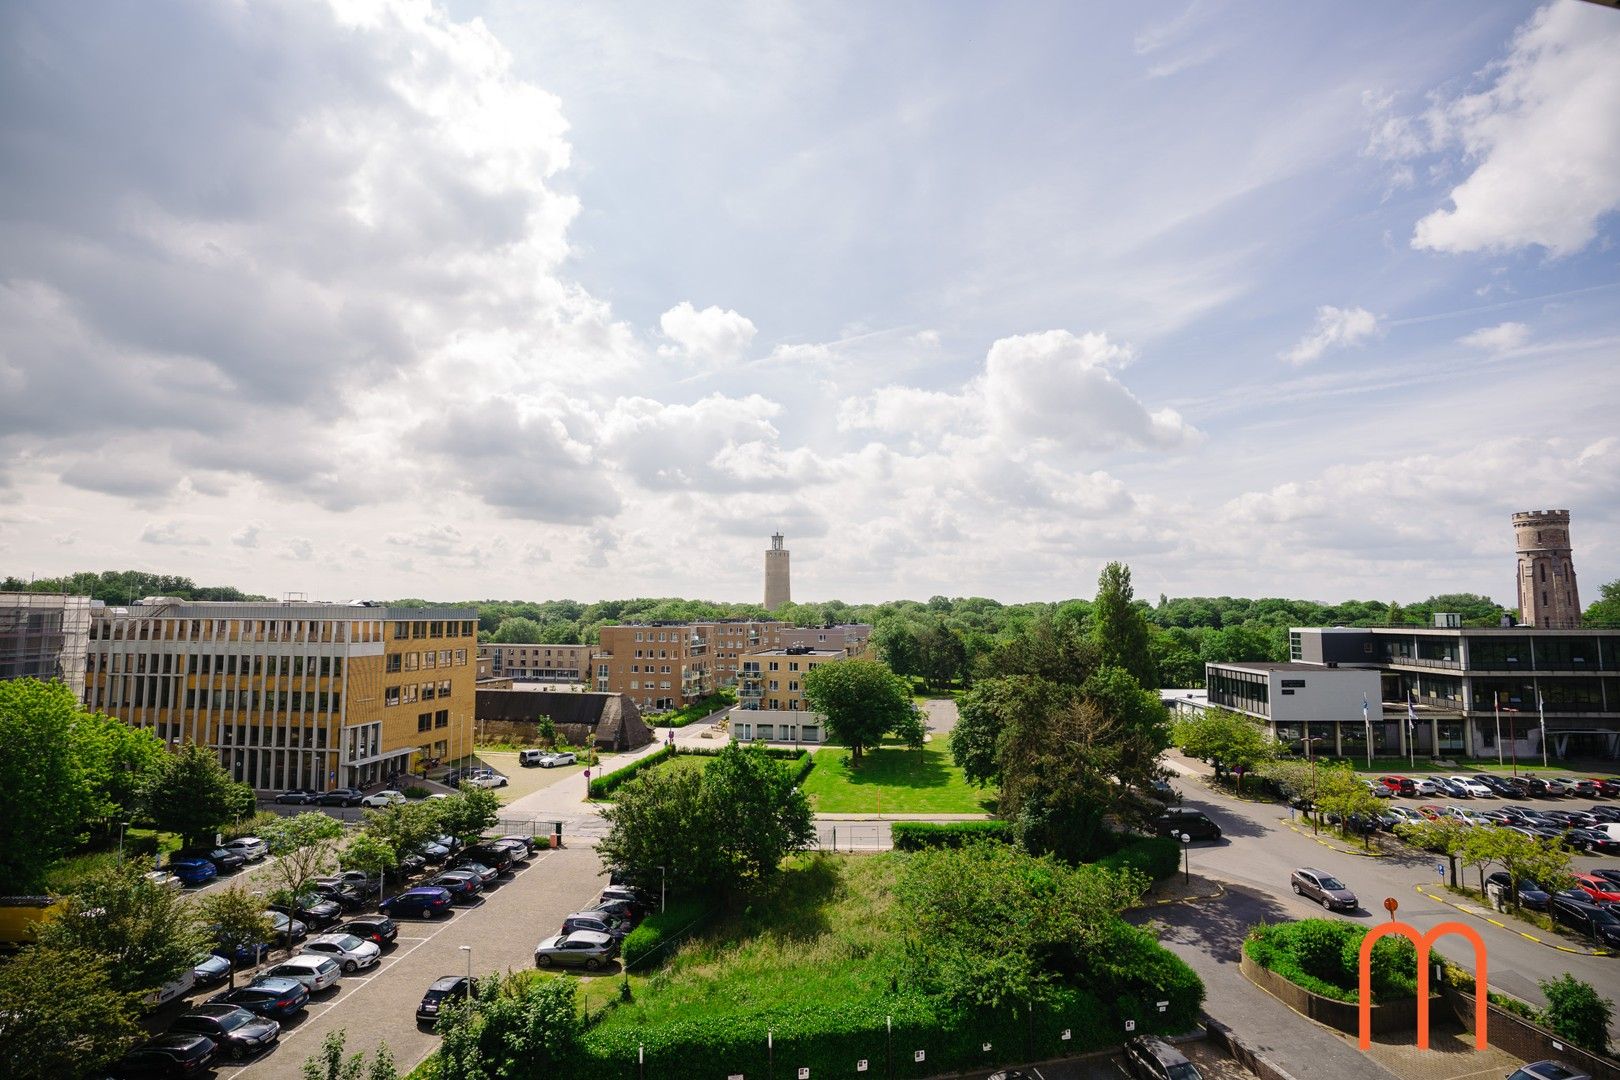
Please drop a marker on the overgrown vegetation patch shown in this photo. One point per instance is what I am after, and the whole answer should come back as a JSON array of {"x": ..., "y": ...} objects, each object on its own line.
[{"x": 1324, "y": 957}]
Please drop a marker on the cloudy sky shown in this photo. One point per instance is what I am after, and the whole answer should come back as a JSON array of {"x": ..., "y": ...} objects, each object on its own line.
[{"x": 496, "y": 298}]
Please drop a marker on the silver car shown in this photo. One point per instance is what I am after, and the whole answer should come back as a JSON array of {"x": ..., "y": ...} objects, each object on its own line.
[
  {"x": 1324, "y": 888},
  {"x": 582, "y": 948},
  {"x": 315, "y": 972},
  {"x": 351, "y": 953},
  {"x": 250, "y": 848},
  {"x": 552, "y": 761}
]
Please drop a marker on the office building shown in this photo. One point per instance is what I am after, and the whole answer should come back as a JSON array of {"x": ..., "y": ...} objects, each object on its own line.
[
  {"x": 291, "y": 694},
  {"x": 44, "y": 636},
  {"x": 778, "y": 590}
]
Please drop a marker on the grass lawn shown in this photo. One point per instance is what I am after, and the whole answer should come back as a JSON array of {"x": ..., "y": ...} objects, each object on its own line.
[
  {"x": 892, "y": 779},
  {"x": 680, "y": 763}
]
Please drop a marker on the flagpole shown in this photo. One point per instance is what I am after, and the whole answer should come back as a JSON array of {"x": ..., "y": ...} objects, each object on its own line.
[
  {"x": 1411, "y": 731},
  {"x": 1367, "y": 723},
  {"x": 1541, "y": 707},
  {"x": 1496, "y": 703}
]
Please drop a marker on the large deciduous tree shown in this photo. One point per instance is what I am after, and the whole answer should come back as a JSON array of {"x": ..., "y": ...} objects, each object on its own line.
[
  {"x": 305, "y": 846},
  {"x": 658, "y": 820},
  {"x": 1119, "y": 629},
  {"x": 45, "y": 796},
  {"x": 466, "y": 814},
  {"x": 1605, "y": 610},
  {"x": 61, "y": 1014},
  {"x": 144, "y": 929},
  {"x": 1226, "y": 740},
  {"x": 234, "y": 918},
  {"x": 756, "y": 814},
  {"x": 192, "y": 794},
  {"x": 119, "y": 762},
  {"x": 862, "y": 701},
  {"x": 993, "y": 708}
]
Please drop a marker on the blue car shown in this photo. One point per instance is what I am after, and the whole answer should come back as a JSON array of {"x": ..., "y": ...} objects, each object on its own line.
[
  {"x": 272, "y": 997},
  {"x": 192, "y": 871},
  {"x": 426, "y": 903},
  {"x": 210, "y": 969}
]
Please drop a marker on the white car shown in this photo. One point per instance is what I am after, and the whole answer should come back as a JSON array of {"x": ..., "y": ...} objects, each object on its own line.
[
  {"x": 315, "y": 972},
  {"x": 1425, "y": 787},
  {"x": 486, "y": 780},
  {"x": 1475, "y": 789},
  {"x": 250, "y": 848},
  {"x": 351, "y": 953},
  {"x": 383, "y": 799},
  {"x": 1406, "y": 814},
  {"x": 551, "y": 761},
  {"x": 165, "y": 879},
  {"x": 1467, "y": 817}
]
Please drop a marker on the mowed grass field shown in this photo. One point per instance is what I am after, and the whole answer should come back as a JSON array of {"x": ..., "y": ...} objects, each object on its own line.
[{"x": 893, "y": 779}]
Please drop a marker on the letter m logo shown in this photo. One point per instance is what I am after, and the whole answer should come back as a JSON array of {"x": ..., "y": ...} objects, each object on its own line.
[{"x": 1423, "y": 943}]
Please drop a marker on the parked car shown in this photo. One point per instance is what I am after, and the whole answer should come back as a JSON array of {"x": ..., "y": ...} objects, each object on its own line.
[
  {"x": 1587, "y": 919},
  {"x": 424, "y": 903},
  {"x": 1548, "y": 1070},
  {"x": 434, "y": 852},
  {"x": 1562, "y": 786},
  {"x": 311, "y": 910},
  {"x": 620, "y": 891},
  {"x": 1177, "y": 820},
  {"x": 451, "y": 843},
  {"x": 298, "y": 796},
  {"x": 1607, "y": 873},
  {"x": 354, "y": 880},
  {"x": 272, "y": 996},
  {"x": 1593, "y": 842},
  {"x": 286, "y": 925},
  {"x": 463, "y": 885},
  {"x": 243, "y": 953},
  {"x": 1378, "y": 790},
  {"x": 1151, "y": 1058},
  {"x": 238, "y": 1032},
  {"x": 1601, "y": 890},
  {"x": 1445, "y": 785},
  {"x": 1474, "y": 788},
  {"x": 381, "y": 799},
  {"x": 1497, "y": 785},
  {"x": 1324, "y": 888},
  {"x": 164, "y": 879},
  {"x": 598, "y": 921},
  {"x": 378, "y": 929},
  {"x": 442, "y": 991},
  {"x": 1531, "y": 894},
  {"x": 1399, "y": 785},
  {"x": 343, "y": 796},
  {"x": 1405, "y": 814},
  {"x": 251, "y": 848},
  {"x": 582, "y": 948},
  {"x": 497, "y": 857},
  {"x": 1423, "y": 785},
  {"x": 619, "y": 909},
  {"x": 520, "y": 848},
  {"x": 1608, "y": 786},
  {"x": 533, "y": 843},
  {"x": 1533, "y": 785},
  {"x": 1585, "y": 786},
  {"x": 352, "y": 953},
  {"x": 486, "y": 875},
  {"x": 176, "y": 1054},
  {"x": 1609, "y": 814},
  {"x": 317, "y": 973},
  {"x": 1429, "y": 812},
  {"x": 486, "y": 780},
  {"x": 192, "y": 872},
  {"x": 557, "y": 758},
  {"x": 210, "y": 969},
  {"x": 411, "y": 863},
  {"x": 224, "y": 859}
]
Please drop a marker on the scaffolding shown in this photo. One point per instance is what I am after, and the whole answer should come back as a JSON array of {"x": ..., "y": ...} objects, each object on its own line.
[{"x": 44, "y": 636}]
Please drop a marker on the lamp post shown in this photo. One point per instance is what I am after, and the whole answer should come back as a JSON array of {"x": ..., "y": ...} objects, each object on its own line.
[
  {"x": 662, "y": 877},
  {"x": 122, "y": 825},
  {"x": 1186, "y": 850},
  {"x": 471, "y": 993}
]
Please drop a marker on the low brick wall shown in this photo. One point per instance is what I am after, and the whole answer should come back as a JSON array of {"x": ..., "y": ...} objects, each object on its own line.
[
  {"x": 1244, "y": 1054},
  {"x": 1523, "y": 1039},
  {"x": 1344, "y": 1015}
]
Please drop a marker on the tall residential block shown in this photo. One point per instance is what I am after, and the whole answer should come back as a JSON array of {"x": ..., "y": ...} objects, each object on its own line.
[
  {"x": 777, "y": 589},
  {"x": 291, "y": 694},
  {"x": 1548, "y": 597},
  {"x": 657, "y": 665}
]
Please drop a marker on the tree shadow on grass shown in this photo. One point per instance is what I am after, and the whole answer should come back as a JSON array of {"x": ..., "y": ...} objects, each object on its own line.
[
  {"x": 893, "y": 767},
  {"x": 795, "y": 907}
]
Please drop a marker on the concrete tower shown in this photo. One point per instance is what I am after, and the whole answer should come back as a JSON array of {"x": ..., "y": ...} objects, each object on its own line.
[
  {"x": 777, "y": 591},
  {"x": 1547, "y": 593}
]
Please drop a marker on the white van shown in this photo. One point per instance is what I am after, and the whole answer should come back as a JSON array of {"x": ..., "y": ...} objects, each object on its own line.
[
  {"x": 1610, "y": 827},
  {"x": 160, "y": 997},
  {"x": 531, "y": 757}
]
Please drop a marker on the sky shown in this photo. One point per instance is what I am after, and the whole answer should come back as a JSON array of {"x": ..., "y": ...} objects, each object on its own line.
[{"x": 507, "y": 299}]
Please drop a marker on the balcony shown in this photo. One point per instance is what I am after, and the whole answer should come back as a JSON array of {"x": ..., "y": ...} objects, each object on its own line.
[
  {"x": 1422, "y": 662},
  {"x": 751, "y": 691}
]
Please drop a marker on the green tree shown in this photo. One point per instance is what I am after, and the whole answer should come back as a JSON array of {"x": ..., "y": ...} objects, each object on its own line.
[
  {"x": 1576, "y": 1012},
  {"x": 1119, "y": 629},
  {"x": 119, "y": 761},
  {"x": 234, "y": 918},
  {"x": 328, "y": 1063},
  {"x": 144, "y": 929},
  {"x": 1444, "y": 836},
  {"x": 404, "y": 827},
  {"x": 1341, "y": 795},
  {"x": 466, "y": 814},
  {"x": 517, "y": 631},
  {"x": 1605, "y": 610},
  {"x": 304, "y": 846},
  {"x": 61, "y": 1014},
  {"x": 861, "y": 699},
  {"x": 44, "y": 794},
  {"x": 1481, "y": 849},
  {"x": 371, "y": 855},
  {"x": 526, "y": 1025},
  {"x": 193, "y": 795},
  {"x": 1226, "y": 740},
  {"x": 754, "y": 815},
  {"x": 659, "y": 820},
  {"x": 1526, "y": 858},
  {"x": 992, "y": 708},
  {"x": 896, "y": 644},
  {"x": 941, "y": 653}
]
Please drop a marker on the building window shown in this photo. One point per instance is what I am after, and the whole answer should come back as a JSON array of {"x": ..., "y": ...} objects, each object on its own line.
[
  {"x": 391, "y": 696},
  {"x": 424, "y": 721},
  {"x": 441, "y": 718},
  {"x": 393, "y": 664}
]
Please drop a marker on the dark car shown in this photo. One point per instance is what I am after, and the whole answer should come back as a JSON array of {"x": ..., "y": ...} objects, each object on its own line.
[
  {"x": 298, "y": 797},
  {"x": 192, "y": 871},
  {"x": 224, "y": 859},
  {"x": 1151, "y": 1058},
  {"x": 1609, "y": 814},
  {"x": 311, "y": 910},
  {"x": 498, "y": 858},
  {"x": 210, "y": 969},
  {"x": 1194, "y": 823},
  {"x": 1497, "y": 784},
  {"x": 238, "y": 1032},
  {"x": 411, "y": 863},
  {"x": 378, "y": 929},
  {"x": 444, "y": 990},
  {"x": 620, "y": 909},
  {"x": 1324, "y": 888},
  {"x": 461, "y": 884},
  {"x": 1608, "y": 873},
  {"x": 1533, "y": 786},
  {"x": 344, "y": 897},
  {"x": 425, "y": 903},
  {"x": 271, "y": 996},
  {"x": 1608, "y": 786},
  {"x": 1531, "y": 894},
  {"x": 1593, "y": 842},
  {"x": 356, "y": 881},
  {"x": 487, "y": 875},
  {"x": 533, "y": 843},
  {"x": 599, "y": 922},
  {"x": 1588, "y": 920},
  {"x": 343, "y": 796},
  {"x": 175, "y": 1054},
  {"x": 1548, "y": 1070}
]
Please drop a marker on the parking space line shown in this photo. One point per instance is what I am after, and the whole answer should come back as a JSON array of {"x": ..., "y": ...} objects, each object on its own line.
[{"x": 1511, "y": 929}]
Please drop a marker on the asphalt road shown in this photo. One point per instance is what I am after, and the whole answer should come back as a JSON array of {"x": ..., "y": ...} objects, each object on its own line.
[{"x": 1260, "y": 851}]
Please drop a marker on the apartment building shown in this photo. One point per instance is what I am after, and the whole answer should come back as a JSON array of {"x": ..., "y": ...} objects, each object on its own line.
[
  {"x": 538, "y": 663},
  {"x": 291, "y": 694},
  {"x": 44, "y": 636},
  {"x": 658, "y": 666},
  {"x": 852, "y": 639},
  {"x": 774, "y": 678},
  {"x": 731, "y": 639}
]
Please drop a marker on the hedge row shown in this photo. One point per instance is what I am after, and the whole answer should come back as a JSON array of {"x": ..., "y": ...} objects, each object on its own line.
[
  {"x": 1324, "y": 957},
  {"x": 917, "y": 835},
  {"x": 648, "y": 943},
  {"x": 688, "y": 714},
  {"x": 1156, "y": 856},
  {"x": 604, "y": 785}
]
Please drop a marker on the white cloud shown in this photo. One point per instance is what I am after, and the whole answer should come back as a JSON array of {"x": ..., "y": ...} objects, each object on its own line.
[
  {"x": 247, "y": 536},
  {"x": 171, "y": 534},
  {"x": 901, "y": 410},
  {"x": 926, "y": 339},
  {"x": 1544, "y": 139},
  {"x": 709, "y": 336},
  {"x": 1502, "y": 337},
  {"x": 1335, "y": 328}
]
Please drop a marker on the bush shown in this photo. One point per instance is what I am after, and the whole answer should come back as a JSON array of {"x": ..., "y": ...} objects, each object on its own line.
[
  {"x": 1156, "y": 856},
  {"x": 696, "y": 711},
  {"x": 415, "y": 792},
  {"x": 1575, "y": 1012},
  {"x": 251, "y": 826},
  {"x": 917, "y": 835},
  {"x": 604, "y": 785},
  {"x": 651, "y": 942},
  {"x": 1323, "y": 956}
]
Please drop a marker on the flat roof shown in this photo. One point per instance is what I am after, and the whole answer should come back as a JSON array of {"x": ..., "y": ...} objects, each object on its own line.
[
  {"x": 249, "y": 609},
  {"x": 1458, "y": 631},
  {"x": 1288, "y": 665},
  {"x": 793, "y": 650}
]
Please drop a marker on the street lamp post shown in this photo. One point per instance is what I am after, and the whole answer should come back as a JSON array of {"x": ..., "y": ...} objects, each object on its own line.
[
  {"x": 122, "y": 825},
  {"x": 1186, "y": 850},
  {"x": 470, "y": 991},
  {"x": 662, "y": 877}
]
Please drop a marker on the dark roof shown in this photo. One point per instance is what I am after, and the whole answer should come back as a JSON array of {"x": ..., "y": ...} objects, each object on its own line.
[{"x": 612, "y": 719}]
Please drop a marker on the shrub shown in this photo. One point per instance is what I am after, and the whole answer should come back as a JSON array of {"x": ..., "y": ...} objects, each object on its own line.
[
  {"x": 1576, "y": 1012},
  {"x": 1323, "y": 956},
  {"x": 917, "y": 835},
  {"x": 415, "y": 792},
  {"x": 651, "y": 942},
  {"x": 252, "y": 826},
  {"x": 1156, "y": 856},
  {"x": 1131, "y": 969},
  {"x": 604, "y": 785},
  {"x": 696, "y": 711}
]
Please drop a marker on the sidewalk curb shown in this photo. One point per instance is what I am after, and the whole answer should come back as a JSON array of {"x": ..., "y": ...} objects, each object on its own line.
[
  {"x": 1479, "y": 914},
  {"x": 1220, "y": 891},
  {"x": 1334, "y": 847},
  {"x": 1246, "y": 1055}
]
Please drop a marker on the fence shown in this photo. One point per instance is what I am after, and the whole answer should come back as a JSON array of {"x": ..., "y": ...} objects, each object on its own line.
[{"x": 853, "y": 836}]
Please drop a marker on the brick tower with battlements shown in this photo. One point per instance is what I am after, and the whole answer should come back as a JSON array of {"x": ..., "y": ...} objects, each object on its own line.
[
  {"x": 1547, "y": 594},
  {"x": 777, "y": 590}
]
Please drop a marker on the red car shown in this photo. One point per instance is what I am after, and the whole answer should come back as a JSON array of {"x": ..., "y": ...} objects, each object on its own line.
[
  {"x": 1430, "y": 812},
  {"x": 1601, "y": 890},
  {"x": 1399, "y": 785}
]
